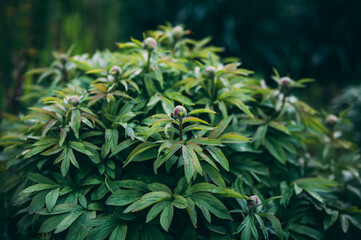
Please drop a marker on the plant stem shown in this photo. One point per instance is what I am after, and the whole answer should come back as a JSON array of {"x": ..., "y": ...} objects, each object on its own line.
[
  {"x": 214, "y": 87},
  {"x": 148, "y": 61},
  {"x": 181, "y": 130}
]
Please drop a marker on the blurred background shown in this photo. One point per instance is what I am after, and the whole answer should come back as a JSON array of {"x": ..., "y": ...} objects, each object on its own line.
[{"x": 301, "y": 38}]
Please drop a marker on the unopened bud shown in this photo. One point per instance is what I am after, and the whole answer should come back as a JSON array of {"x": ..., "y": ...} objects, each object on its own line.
[
  {"x": 211, "y": 72},
  {"x": 73, "y": 100},
  {"x": 332, "y": 120},
  {"x": 115, "y": 71},
  {"x": 286, "y": 82},
  {"x": 255, "y": 203},
  {"x": 150, "y": 44},
  {"x": 63, "y": 58},
  {"x": 179, "y": 112},
  {"x": 178, "y": 32}
]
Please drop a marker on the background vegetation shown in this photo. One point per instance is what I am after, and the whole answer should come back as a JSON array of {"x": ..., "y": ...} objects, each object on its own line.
[{"x": 317, "y": 39}]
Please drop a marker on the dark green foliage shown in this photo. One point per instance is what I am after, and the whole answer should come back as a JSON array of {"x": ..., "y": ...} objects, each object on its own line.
[{"x": 176, "y": 143}]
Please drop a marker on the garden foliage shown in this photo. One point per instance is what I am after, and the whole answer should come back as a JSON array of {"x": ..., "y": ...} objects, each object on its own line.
[{"x": 163, "y": 139}]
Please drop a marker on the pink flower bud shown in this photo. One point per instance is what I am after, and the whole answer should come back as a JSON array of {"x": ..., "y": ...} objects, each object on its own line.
[
  {"x": 255, "y": 203},
  {"x": 286, "y": 82},
  {"x": 179, "y": 112}
]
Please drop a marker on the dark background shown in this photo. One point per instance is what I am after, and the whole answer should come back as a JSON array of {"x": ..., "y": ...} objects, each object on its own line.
[{"x": 320, "y": 39}]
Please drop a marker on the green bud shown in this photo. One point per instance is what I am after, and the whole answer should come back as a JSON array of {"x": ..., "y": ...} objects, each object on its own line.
[
  {"x": 115, "y": 71},
  {"x": 63, "y": 58},
  {"x": 255, "y": 203},
  {"x": 331, "y": 120},
  {"x": 178, "y": 32},
  {"x": 73, "y": 100},
  {"x": 211, "y": 72},
  {"x": 150, "y": 44}
]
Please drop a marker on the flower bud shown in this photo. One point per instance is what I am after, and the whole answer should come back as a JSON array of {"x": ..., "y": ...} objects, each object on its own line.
[
  {"x": 179, "y": 112},
  {"x": 115, "y": 71},
  {"x": 255, "y": 203},
  {"x": 150, "y": 44},
  {"x": 178, "y": 32},
  {"x": 286, "y": 82},
  {"x": 331, "y": 120},
  {"x": 63, "y": 58},
  {"x": 210, "y": 72},
  {"x": 73, "y": 100}
]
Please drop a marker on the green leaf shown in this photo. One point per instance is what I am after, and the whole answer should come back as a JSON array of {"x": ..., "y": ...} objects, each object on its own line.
[
  {"x": 179, "y": 202},
  {"x": 167, "y": 105},
  {"x": 51, "y": 223},
  {"x": 151, "y": 198},
  {"x": 196, "y": 127},
  {"x": 259, "y": 135},
  {"x": 194, "y": 119},
  {"x": 111, "y": 140},
  {"x": 80, "y": 228},
  {"x": 262, "y": 226},
  {"x": 166, "y": 216},
  {"x": 69, "y": 156},
  {"x": 217, "y": 131},
  {"x": 330, "y": 219},
  {"x": 212, "y": 204},
  {"x": 38, "y": 178},
  {"x": 191, "y": 162},
  {"x": 139, "y": 150},
  {"x": 233, "y": 137},
  {"x": 316, "y": 184},
  {"x": 241, "y": 106},
  {"x": 123, "y": 197},
  {"x": 123, "y": 145},
  {"x": 276, "y": 150},
  {"x": 310, "y": 232},
  {"x": 36, "y": 150},
  {"x": 38, "y": 187},
  {"x": 82, "y": 65},
  {"x": 75, "y": 122},
  {"x": 275, "y": 223},
  {"x": 67, "y": 221},
  {"x": 203, "y": 110},
  {"x": 119, "y": 233},
  {"x": 51, "y": 199},
  {"x": 207, "y": 141},
  {"x": 217, "y": 154},
  {"x": 214, "y": 175},
  {"x": 63, "y": 133},
  {"x": 345, "y": 223},
  {"x": 48, "y": 125},
  {"x": 155, "y": 210},
  {"x": 279, "y": 127}
]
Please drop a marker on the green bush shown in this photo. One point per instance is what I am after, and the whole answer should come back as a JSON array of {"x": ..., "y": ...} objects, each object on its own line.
[{"x": 165, "y": 140}]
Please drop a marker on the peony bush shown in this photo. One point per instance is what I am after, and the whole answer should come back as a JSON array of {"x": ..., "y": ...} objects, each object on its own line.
[{"x": 164, "y": 139}]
